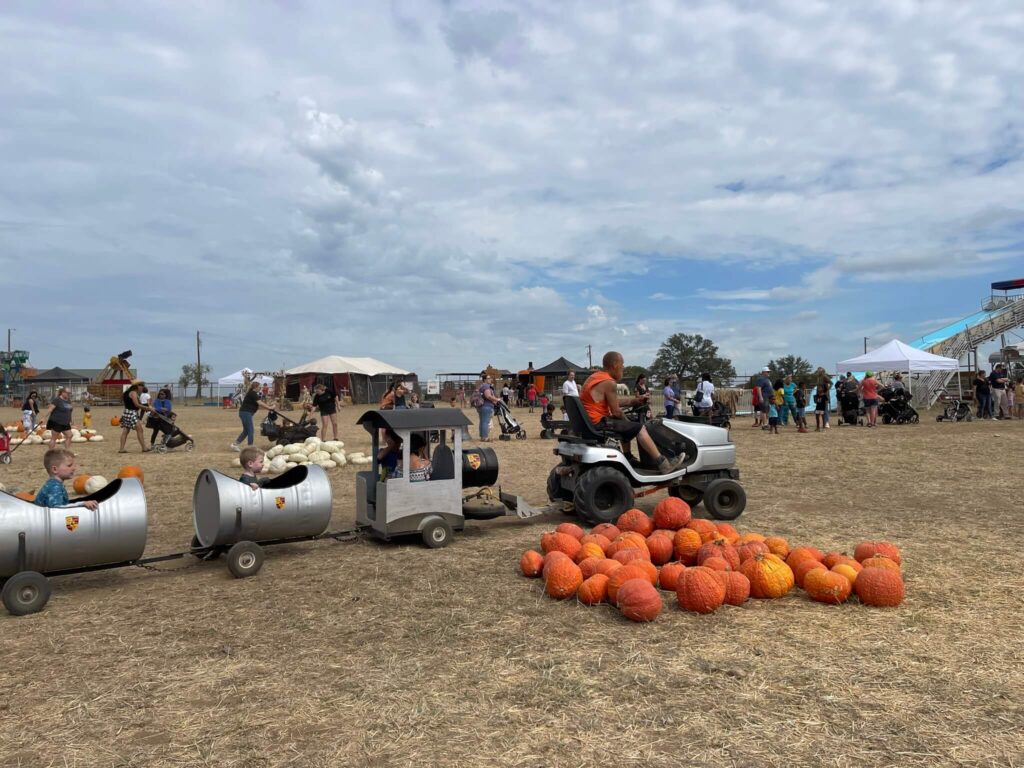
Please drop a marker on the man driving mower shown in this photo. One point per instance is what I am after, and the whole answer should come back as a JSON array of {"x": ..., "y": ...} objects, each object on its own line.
[{"x": 604, "y": 408}]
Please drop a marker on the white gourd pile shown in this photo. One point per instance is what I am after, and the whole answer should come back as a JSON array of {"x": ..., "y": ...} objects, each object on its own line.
[
  {"x": 41, "y": 435},
  {"x": 325, "y": 453}
]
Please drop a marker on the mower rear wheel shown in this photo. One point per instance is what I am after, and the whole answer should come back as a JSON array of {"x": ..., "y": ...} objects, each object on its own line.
[
  {"x": 602, "y": 494},
  {"x": 725, "y": 499},
  {"x": 689, "y": 494}
]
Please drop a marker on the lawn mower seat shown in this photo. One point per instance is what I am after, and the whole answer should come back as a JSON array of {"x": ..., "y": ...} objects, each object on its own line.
[{"x": 579, "y": 421}]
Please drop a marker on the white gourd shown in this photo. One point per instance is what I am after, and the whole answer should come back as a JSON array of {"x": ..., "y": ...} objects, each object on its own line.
[
  {"x": 328, "y": 464},
  {"x": 94, "y": 484},
  {"x": 279, "y": 464},
  {"x": 313, "y": 441},
  {"x": 290, "y": 465},
  {"x": 338, "y": 457},
  {"x": 236, "y": 462},
  {"x": 320, "y": 456},
  {"x": 75, "y": 433},
  {"x": 79, "y": 440},
  {"x": 96, "y": 439}
]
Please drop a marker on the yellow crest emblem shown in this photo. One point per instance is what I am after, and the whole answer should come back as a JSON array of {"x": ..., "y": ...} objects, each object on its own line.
[
  {"x": 279, "y": 501},
  {"x": 473, "y": 459},
  {"x": 71, "y": 522}
]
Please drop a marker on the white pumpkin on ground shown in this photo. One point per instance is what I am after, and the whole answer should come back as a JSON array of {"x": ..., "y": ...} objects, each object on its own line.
[
  {"x": 272, "y": 453},
  {"x": 79, "y": 440},
  {"x": 313, "y": 441},
  {"x": 328, "y": 464},
  {"x": 290, "y": 465},
  {"x": 96, "y": 439},
  {"x": 338, "y": 457},
  {"x": 291, "y": 449},
  {"x": 332, "y": 445},
  {"x": 95, "y": 484},
  {"x": 319, "y": 456},
  {"x": 278, "y": 464}
]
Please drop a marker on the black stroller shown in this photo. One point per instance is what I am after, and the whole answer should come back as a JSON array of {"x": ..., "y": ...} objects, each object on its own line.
[
  {"x": 895, "y": 407},
  {"x": 171, "y": 435},
  {"x": 507, "y": 422},
  {"x": 290, "y": 432},
  {"x": 953, "y": 408},
  {"x": 719, "y": 415},
  {"x": 850, "y": 411}
]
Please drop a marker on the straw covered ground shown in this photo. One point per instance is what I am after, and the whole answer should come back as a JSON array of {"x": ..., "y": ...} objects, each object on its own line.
[{"x": 374, "y": 654}]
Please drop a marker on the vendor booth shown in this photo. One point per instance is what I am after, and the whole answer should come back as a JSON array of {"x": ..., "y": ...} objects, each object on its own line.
[
  {"x": 364, "y": 379},
  {"x": 897, "y": 356}
]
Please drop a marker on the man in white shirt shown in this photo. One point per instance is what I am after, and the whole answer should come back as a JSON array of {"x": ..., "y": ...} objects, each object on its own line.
[{"x": 569, "y": 386}]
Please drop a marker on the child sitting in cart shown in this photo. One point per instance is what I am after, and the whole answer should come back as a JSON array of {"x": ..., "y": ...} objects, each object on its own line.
[
  {"x": 546, "y": 419},
  {"x": 251, "y": 459},
  {"x": 60, "y": 466}
]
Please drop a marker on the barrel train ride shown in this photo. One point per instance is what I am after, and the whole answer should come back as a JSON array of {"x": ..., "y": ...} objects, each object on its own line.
[{"x": 232, "y": 519}]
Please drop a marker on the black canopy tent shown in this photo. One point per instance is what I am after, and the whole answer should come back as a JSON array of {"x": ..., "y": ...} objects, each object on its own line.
[{"x": 560, "y": 367}]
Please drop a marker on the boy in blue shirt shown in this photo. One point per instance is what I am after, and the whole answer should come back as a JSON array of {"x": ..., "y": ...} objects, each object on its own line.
[
  {"x": 60, "y": 465},
  {"x": 773, "y": 418}
]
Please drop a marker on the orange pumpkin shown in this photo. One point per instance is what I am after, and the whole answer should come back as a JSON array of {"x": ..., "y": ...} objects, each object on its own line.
[
  {"x": 727, "y": 532},
  {"x": 621, "y": 576},
  {"x": 777, "y": 546},
  {"x": 719, "y": 548},
  {"x": 747, "y": 537},
  {"x": 531, "y": 563},
  {"x": 638, "y": 600},
  {"x": 588, "y": 566},
  {"x": 596, "y": 538},
  {"x": 700, "y": 590},
  {"x": 635, "y": 520},
  {"x": 668, "y": 576},
  {"x": 833, "y": 558},
  {"x": 846, "y": 571},
  {"x": 571, "y": 529},
  {"x": 79, "y": 483},
  {"x": 589, "y": 550},
  {"x": 827, "y": 587},
  {"x": 805, "y": 566},
  {"x": 716, "y": 564},
  {"x": 880, "y": 561},
  {"x": 748, "y": 549},
  {"x": 115, "y": 421},
  {"x": 737, "y": 588},
  {"x": 560, "y": 542},
  {"x": 769, "y": 576},
  {"x": 562, "y": 579},
  {"x": 25, "y": 496},
  {"x": 672, "y": 513},
  {"x": 593, "y": 590},
  {"x": 660, "y": 547},
  {"x": 608, "y": 566},
  {"x": 551, "y": 558},
  {"x": 686, "y": 544},
  {"x": 705, "y": 528},
  {"x": 629, "y": 540},
  {"x": 867, "y": 549},
  {"x": 609, "y": 531},
  {"x": 626, "y": 556},
  {"x": 663, "y": 532},
  {"x": 879, "y": 587},
  {"x": 132, "y": 471},
  {"x": 800, "y": 553}
]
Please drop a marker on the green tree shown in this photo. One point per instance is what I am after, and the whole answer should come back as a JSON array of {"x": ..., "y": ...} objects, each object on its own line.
[
  {"x": 790, "y": 364},
  {"x": 689, "y": 355},
  {"x": 632, "y": 371},
  {"x": 191, "y": 373}
]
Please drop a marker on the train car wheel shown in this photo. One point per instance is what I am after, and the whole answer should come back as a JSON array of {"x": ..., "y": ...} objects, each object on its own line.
[
  {"x": 437, "y": 533},
  {"x": 245, "y": 559},
  {"x": 26, "y": 592}
]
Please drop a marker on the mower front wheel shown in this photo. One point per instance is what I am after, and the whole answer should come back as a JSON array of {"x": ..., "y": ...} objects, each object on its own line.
[
  {"x": 602, "y": 494},
  {"x": 725, "y": 499},
  {"x": 689, "y": 494}
]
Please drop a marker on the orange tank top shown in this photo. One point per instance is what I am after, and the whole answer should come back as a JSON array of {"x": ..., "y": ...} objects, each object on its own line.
[{"x": 596, "y": 411}]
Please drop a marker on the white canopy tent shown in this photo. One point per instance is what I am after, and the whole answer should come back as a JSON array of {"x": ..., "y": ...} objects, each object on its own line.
[
  {"x": 365, "y": 366},
  {"x": 238, "y": 377},
  {"x": 897, "y": 356}
]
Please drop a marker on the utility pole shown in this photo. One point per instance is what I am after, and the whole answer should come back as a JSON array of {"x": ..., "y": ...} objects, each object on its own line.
[
  {"x": 590, "y": 359},
  {"x": 199, "y": 369},
  {"x": 9, "y": 340},
  {"x": 866, "y": 345}
]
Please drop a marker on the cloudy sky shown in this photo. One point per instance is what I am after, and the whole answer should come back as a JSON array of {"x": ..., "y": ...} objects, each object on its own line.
[{"x": 448, "y": 184}]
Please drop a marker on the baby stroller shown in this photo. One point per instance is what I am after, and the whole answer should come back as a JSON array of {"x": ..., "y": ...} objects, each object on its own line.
[
  {"x": 954, "y": 409},
  {"x": 171, "y": 435},
  {"x": 507, "y": 422},
  {"x": 291, "y": 432},
  {"x": 719, "y": 416},
  {"x": 895, "y": 407},
  {"x": 849, "y": 407},
  {"x": 5, "y": 446}
]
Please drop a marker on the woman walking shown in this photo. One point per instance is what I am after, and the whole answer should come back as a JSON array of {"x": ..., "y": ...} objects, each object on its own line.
[
  {"x": 484, "y": 400},
  {"x": 250, "y": 405},
  {"x": 59, "y": 419},
  {"x": 30, "y": 411},
  {"x": 163, "y": 406},
  {"x": 130, "y": 416},
  {"x": 869, "y": 391}
]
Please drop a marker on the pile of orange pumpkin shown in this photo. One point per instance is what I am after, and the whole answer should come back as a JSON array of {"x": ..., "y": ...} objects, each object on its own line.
[{"x": 707, "y": 565}]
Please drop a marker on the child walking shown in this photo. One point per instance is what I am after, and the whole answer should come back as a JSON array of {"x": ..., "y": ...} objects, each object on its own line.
[
  {"x": 773, "y": 419},
  {"x": 800, "y": 398},
  {"x": 60, "y": 466}
]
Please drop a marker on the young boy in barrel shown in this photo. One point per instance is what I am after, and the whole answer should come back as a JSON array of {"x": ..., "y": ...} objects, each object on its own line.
[
  {"x": 251, "y": 459},
  {"x": 60, "y": 466}
]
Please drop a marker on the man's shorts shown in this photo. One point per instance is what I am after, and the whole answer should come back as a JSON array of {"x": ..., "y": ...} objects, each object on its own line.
[
  {"x": 623, "y": 428},
  {"x": 763, "y": 407}
]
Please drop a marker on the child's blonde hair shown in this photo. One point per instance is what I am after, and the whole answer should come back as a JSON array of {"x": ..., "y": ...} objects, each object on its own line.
[
  {"x": 56, "y": 456},
  {"x": 249, "y": 455}
]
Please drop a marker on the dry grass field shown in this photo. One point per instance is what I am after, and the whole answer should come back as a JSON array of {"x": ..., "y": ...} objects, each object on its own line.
[{"x": 375, "y": 654}]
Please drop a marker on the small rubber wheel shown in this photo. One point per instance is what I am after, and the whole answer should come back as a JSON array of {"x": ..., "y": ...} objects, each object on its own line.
[
  {"x": 725, "y": 499},
  {"x": 521, "y": 435},
  {"x": 689, "y": 494},
  {"x": 26, "y": 592},
  {"x": 245, "y": 559},
  {"x": 189, "y": 446},
  {"x": 161, "y": 448},
  {"x": 5, "y": 458},
  {"x": 436, "y": 533},
  {"x": 602, "y": 494},
  {"x": 555, "y": 490}
]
